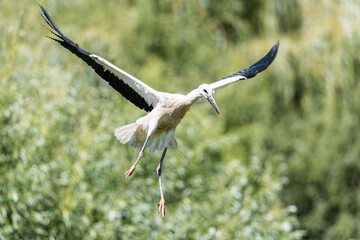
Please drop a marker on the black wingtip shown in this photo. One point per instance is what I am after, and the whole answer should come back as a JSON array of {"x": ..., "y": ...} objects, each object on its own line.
[
  {"x": 269, "y": 57},
  {"x": 63, "y": 40},
  {"x": 263, "y": 63},
  {"x": 275, "y": 48},
  {"x": 42, "y": 8},
  {"x": 260, "y": 65},
  {"x": 45, "y": 15},
  {"x": 273, "y": 53}
]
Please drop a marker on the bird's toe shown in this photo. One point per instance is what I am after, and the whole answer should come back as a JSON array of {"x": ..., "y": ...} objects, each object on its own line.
[
  {"x": 130, "y": 172},
  {"x": 161, "y": 207}
]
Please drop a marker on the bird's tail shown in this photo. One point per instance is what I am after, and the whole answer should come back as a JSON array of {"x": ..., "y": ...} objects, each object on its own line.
[
  {"x": 134, "y": 135},
  {"x": 127, "y": 134}
]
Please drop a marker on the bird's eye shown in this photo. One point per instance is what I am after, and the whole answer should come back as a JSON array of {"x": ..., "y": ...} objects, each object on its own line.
[{"x": 205, "y": 91}]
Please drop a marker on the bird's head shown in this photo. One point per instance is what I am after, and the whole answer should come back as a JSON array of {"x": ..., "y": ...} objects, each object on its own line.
[{"x": 207, "y": 92}]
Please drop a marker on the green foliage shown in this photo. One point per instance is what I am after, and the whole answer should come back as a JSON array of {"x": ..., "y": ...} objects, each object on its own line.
[{"x": 281, "y": 162}]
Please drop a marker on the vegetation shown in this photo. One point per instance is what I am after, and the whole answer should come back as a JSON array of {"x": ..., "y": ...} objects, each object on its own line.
[{"x": 282, "y": 162}]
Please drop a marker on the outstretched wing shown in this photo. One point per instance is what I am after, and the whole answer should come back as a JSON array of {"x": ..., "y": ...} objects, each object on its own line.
[
  {"x": 250, "y": 72},
  {"x": 130, "y": 87}
]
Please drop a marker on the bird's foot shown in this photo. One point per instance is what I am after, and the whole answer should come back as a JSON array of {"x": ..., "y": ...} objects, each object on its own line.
[
  {"x": 130, "y": 171},
  {"x": 161, "y": 206}
]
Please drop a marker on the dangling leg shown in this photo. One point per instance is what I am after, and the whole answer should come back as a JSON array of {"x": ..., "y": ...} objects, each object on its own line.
[
  {"x": 150, "y": 131},
  {"x": 161, "y": 204}
]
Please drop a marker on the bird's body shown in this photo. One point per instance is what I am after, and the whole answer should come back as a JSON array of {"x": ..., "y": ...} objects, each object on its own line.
[
  {"x": 164, "y": 118},
  {"x": 155, "y": 130}
]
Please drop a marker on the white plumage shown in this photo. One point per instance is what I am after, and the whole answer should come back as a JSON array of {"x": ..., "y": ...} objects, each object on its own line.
[{"x": 155, "y": 130}]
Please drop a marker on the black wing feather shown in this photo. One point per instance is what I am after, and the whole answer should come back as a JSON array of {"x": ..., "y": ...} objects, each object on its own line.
[
  {"x": 260, "y": 65},
  {"x": 117, "y": 83}
]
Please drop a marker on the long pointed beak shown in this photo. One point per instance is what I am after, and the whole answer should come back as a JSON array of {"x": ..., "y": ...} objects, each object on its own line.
[{"x": 213, "y": 103}]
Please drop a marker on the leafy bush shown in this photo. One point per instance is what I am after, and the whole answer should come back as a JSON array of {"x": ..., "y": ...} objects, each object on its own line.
[{"x": 281, "y": 162}]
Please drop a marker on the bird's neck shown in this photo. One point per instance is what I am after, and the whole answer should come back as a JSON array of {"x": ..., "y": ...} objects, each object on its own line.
[{"x": 192, "y": 97}]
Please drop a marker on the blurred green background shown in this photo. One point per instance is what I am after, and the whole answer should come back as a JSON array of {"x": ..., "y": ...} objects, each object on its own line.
[{"x": 282, "y": 162}]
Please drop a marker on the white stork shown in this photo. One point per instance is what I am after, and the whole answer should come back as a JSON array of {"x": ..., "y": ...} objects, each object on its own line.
[{"x": 166, "y": 110}]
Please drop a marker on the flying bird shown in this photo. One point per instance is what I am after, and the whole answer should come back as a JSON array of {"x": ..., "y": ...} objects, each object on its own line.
[{"x": 155, "y": 130}]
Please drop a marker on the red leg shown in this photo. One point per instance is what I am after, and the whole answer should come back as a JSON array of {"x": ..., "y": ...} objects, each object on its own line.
[
  {"x": 132, "y": 169},
  {"x": 161, "y": 204}
]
